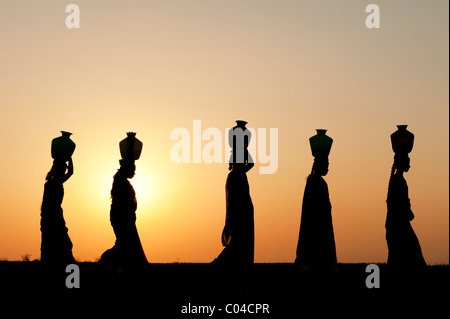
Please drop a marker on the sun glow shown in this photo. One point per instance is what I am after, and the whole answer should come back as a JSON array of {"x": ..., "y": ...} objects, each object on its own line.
[{"x": 143, "y": 183}]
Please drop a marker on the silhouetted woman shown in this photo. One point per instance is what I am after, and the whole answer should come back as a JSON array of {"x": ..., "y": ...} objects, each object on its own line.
[
  {"x": 238, "y": 235},
  {"x": 127, "y": 252},
  {"x": 56, "y": 246},
  {"x": 404, "y": 248},
  {"x": 316, "y": 249}
]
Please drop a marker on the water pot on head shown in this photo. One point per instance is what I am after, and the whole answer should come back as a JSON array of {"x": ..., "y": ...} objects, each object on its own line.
[
  {"x": 62, "y": 147},
  {"x": 239, "y": 139},
  {"x": 402, "y": 140},
  {"x": 244, "y": 134},
  {"x": 130, "y": 147},
  {"x": 320, "y": 144}
]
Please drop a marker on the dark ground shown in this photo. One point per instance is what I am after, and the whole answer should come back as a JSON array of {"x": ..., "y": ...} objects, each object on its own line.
[{"x": 161, "y": 290}]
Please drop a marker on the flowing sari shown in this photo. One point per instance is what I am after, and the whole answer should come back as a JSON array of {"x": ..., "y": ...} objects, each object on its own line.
[
  {"x": 56, "y": 246},
  {"x": 127, "y": 251},
  {"x": 403, "y": 244},
  {"x": 238, "y": 235},
  {"x": 316, "y": 248}
]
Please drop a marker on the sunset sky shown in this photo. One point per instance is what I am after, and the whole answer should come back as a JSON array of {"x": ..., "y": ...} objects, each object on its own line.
[{"x": 154, "y": 66}]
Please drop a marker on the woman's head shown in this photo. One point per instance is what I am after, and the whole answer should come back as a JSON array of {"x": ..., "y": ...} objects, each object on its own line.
[
  {"x": 401, "y": 163},
  {"x": 320, "y": 166},
  {"x": 127, "y": 167}
]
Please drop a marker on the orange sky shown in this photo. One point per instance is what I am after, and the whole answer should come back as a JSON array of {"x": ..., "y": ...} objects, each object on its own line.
[{"x": 153, "y": 66}]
